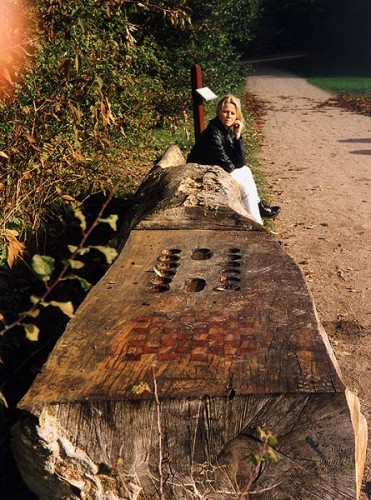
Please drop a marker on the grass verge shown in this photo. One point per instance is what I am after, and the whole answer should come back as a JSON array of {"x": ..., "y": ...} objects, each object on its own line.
[{"x": 349, "y": 83}]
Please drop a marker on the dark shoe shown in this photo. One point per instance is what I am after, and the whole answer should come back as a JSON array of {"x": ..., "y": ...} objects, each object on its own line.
[{"x": 268, "y": 212}]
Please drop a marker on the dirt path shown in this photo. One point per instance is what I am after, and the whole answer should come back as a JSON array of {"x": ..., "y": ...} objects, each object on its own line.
[{"x": 317, "y": 161}]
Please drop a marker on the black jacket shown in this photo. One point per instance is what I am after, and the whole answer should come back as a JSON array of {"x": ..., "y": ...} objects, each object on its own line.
[{"x": 218, "y": 146}]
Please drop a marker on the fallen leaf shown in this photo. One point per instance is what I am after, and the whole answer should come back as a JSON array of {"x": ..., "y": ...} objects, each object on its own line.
[
  {"x": 30, "y": 139},
  {"x": 67, "y": 197},
  {"x": 140, "y": 388},
  {"x": 15, "y": 248},
  {"x": 310, "y": 275},
  {"x": 340, "y": 273},
  {"x": 343, "y": 353}
]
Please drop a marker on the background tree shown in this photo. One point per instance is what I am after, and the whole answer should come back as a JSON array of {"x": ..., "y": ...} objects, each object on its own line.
[
  {"x": 343, "y": 30},
  {"x": 330, "y": 28}
]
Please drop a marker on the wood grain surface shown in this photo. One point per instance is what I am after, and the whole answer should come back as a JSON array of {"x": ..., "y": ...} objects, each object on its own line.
[{"x": 200, "y": 333}]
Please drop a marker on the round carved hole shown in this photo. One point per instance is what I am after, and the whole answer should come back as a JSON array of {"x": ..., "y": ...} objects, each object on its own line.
[
  {"x": 230, "y": 271},
  {"x": 168, "y": 258},
  {"x": 167, "y": 265},
  {"x": 159, "y": 280},
  {"x": 201, "y": 254},
  {"x": 229, "y": 280},
  {"x": 194, "y": 285},
  {"x": 234, "y": 250},
  {"x": 227, "y": 286},
  {"x": 167, "y": 273},
  {"x": 234, "y": 257},
  {"x": 233, "y": 264},
  {"x": 158, "y": 288},
  {"x": 171, "y": 251}
]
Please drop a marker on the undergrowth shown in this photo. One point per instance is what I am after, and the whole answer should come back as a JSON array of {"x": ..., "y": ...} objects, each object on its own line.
[{"x": 89, "y": 99}]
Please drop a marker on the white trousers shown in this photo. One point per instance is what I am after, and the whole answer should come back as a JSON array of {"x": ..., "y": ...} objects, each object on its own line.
[{"x": 249, "y": 194}]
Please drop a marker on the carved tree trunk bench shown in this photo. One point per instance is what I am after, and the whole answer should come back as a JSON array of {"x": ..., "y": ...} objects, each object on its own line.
[{"x": 202, "y": 331}]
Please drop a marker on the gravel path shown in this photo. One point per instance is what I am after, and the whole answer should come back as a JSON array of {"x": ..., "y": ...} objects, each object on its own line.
[{"x": 317, "y": 162}]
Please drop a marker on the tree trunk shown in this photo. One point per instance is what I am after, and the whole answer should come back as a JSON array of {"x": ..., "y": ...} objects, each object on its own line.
[{"x": 201, "y": 334}]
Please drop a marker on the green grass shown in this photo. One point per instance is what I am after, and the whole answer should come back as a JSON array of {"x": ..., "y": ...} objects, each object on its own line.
[
  {"x": 338, "y": 77},
  {"x": 353, "y": 85}
]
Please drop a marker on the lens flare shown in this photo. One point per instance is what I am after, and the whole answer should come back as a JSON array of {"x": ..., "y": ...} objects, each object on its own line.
[{"x": 14, "y": 34}]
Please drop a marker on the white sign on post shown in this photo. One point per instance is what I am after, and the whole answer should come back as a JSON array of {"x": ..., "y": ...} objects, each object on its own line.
[{"x": 206, "y": 94}]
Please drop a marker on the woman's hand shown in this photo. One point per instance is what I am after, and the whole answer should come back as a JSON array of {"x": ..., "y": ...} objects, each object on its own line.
[{"x": 237, "y": 129}]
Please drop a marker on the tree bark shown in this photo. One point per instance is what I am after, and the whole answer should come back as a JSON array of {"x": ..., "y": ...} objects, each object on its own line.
[{"x": 200, "y": 334}]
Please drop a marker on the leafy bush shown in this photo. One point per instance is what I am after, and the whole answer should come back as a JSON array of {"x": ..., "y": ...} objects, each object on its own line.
[
  {"x": 100, "y": 78},
  {"x": 90, "y": 93}
]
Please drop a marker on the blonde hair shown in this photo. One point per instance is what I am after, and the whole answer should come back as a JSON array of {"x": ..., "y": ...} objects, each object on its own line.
[{"x": 231, "y": 99}]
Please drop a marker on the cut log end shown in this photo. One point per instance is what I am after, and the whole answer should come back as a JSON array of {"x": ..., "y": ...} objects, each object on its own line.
[{"x": 106, "y": 450}]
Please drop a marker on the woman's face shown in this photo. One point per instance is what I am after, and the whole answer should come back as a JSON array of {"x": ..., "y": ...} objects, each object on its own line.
[{"x": 227, "y": 114}]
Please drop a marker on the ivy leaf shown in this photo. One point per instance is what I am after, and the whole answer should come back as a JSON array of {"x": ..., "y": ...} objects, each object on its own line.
[
  {"x": 111, "y": 220},
  {"x": 272, "y": 441},
  {"x": 66, "y": 307},
  {"x": 80, "y": 216},
  {"x": 33, "y": 313},
  {"x": 272, "y": 457},
  {"x": 83, "y": 251},
  {"x": 75, "y": 264},
  {"x": 79, "y": 251},
  {"x": 109, "y": 253},
  {"x": 262, "y": 434},
  {"x": 32, "y": 332},
  {"x": 85, "y": 285},
  {"x": 43, "y": 265},
  {"x": 34, "y": 299}
]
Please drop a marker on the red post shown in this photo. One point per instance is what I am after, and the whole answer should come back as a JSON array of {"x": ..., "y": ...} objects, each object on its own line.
[{"x": 198, "y": 106}]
